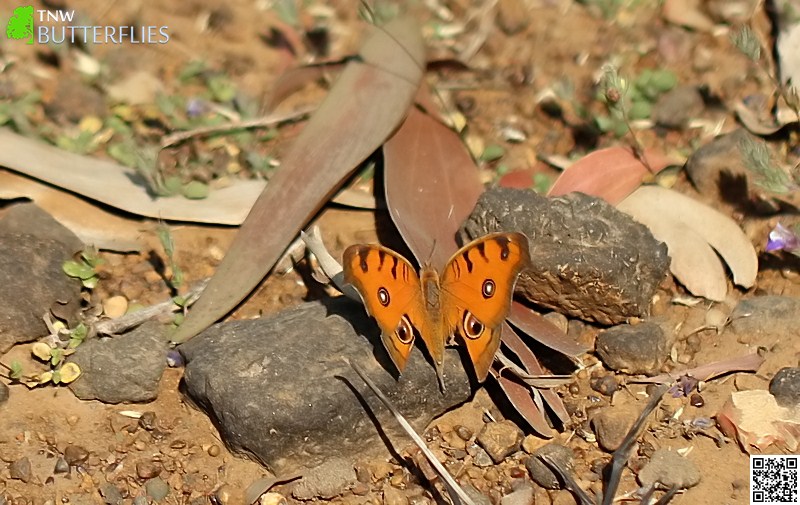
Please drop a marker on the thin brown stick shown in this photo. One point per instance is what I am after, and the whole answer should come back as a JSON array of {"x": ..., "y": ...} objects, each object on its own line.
[{"x": 261, "y": 122}]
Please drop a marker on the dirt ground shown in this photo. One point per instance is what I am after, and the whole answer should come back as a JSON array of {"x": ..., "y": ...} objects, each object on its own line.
[{"x": 558, "y": 44}]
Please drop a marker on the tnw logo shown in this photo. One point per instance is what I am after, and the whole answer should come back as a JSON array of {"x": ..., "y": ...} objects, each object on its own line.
[{"x": 20, "y": 25}]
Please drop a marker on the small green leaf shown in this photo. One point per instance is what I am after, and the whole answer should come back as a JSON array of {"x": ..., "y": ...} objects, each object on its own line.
[
  {"x": 542, "y": 183},
  {"x": 56, "y": 356},
  {"x": 664, "y": 80},
  {"x": 91, "y": 282},
  {"x": 492, "y": 152},
  {"x": 80, "y": 270},
  {"x": 80, "y": 331},
  {"x": 56, "y": 377},
  {"x": 179, "y": 300},
  {"x": 222, "y": 90},
  {"x": 195, "y": 190},
  {"x": 179, "y": 317},
  {"x": 123, "y": 152},
  {"x": 640, "y": 110},
  {"x": 16, "y": 370},
  {"x": 192, "y": 69}
]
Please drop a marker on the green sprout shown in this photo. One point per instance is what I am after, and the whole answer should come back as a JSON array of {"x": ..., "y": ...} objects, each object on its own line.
[
  {"x": 85, "y": 269},
  {"x": 77, "y": 335},
  {"x": 757, "y": 160},
  {"x": 165, "y": 237}
]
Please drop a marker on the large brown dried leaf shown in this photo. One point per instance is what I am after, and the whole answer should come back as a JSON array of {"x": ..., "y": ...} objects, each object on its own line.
[
  {"x": 756, "y": 420},
  {"x": 365, "y": 105},
  {"x": 691, "y": 229},
  {"x": 611, "y": 174}
]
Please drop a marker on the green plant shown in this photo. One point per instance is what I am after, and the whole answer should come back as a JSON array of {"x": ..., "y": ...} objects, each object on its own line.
[
  {"x": 630, "y": 101},
  {"x": 85, "y": 268},
  {"x": 175, "y": 280}
]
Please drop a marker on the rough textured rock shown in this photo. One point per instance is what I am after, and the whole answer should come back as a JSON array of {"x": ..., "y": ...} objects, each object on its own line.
[
  {"x": 785, "y": 387},
  {"x": 675, "y": 108},
  {"x": 764, "y": 320},
  {"x": 327, "y": 481},
  {"x": 717, "y": 168},
  {"x": 541, "y": 473},
  {"x": 669, "y": 469},
  {"x": 612, "y": 424},
  {"x": 634, "y": 349},
  {"x": 589, "y": 260},
  {"x": 33, "y": 247},
  {"x": 4, "y": 392},
  {"x": 279, "y": 389},
  {"x": 500, "y": 439},
  {"x": 125, "y": 368}
]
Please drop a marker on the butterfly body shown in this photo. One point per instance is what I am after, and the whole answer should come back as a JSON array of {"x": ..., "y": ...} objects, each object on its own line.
[{"x": 470, "y": 298}]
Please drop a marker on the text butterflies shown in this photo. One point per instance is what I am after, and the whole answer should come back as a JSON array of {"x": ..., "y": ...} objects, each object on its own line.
[{"x": 471, "y": 297}]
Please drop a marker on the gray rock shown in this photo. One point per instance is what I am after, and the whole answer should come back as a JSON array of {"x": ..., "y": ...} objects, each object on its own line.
[
  {"x": 110, "y": 493},
  {"x": 717, "y": 168},
  {"x": 326, "y": 481},
  {"x": 125, "y": 368},
  {"x": 21, "y": 470},
  {"x": 764, "y": 320},
  {"x": 675, "y": 108},
  {"x": 785, "y": 387},
  {"x": 589, "y": 260},
  {"x": 477, "y": 497},
  {"x": 500, "y": 439},
  {"x": 669, "y": 469},
  {"x": 612, "y": 424},
  {"x": 4, "y": 393},
  {"x": 280, "y": 391},
  {"x": 156, "y": 488},
  {"x": 541, "y": 472},
  {"x": 522, "y": 496},
  {"x": 634, "y": 349},
  {"x": 33, "y": 246}
]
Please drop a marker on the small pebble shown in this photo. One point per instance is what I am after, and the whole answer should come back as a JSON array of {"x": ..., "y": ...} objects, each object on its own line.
[
  {"x": 110, "y": 493},
  {"x": 541, "y": 473},
  {"x": 148, "y": 420},
  {"x": 272, "y": 499},
  {"x": 611, "y": 425},
  {"x": 785, "y": 387},
  {"x": 75, "y": 454},
  {"x": 605, "y": 385},
  {"x": 481, "y": 458},
  {"x": 522, "y": 496},
  {"x": 147, "y": 469},
  {"x": 640, "y": 349},
  {"x": 156, "y": 488},
  {"x": 4, "y": 393},
  {"x": 21, "y": 470},
  {"x": 61, "y": 466},
  {"x": 394, "y": 496},
  {"x": 463, "y": 432},
  {"x": 214, "y": 450},
  {"x": 500, "y": 439},
  {"x": 668, "y": 468},
  {"x": 696, "y": 400},
  {"x": 115, "y": 307}
]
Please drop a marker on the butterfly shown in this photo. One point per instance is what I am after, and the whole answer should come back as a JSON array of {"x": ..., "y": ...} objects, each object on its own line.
[{"x": 471, "y": 298}]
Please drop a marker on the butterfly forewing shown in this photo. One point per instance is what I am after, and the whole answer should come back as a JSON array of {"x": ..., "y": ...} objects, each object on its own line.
[{"x": 390, "y": 289}]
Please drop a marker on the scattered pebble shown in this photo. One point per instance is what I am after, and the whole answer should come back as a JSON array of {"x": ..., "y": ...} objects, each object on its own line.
[
  {"x": 3, "y": 393},
  {"x": 214, "y": 450},
  {"x": 326, "y": 481},
  {"x": 522, "y": 496},
  {"x": 500, "y": 439},
  {"x": 541, "y": 473},
  {"x": 674, "y": 109},
  {"x": 148, "y": 420},
  {"x": 115, "y": 307},
  {"x": 669, "y": 469},
  {"x": 110, "y": 493},
  {"x": 156, "y": 488},
  {"x": 394, "y": 496},
  {"x": 61, "y": 466},
  {"x": 21, "y": 470},
  {"x": 611, "y": 424},
  {"x": 75, "y": 455},
  {"x": 640, "y": 349},
  {"x": 477, "y": 497},
  {"x": 147, "y": 469},
  {"x": 785, "y": 387},
  {"x": 605, "y": 385}
]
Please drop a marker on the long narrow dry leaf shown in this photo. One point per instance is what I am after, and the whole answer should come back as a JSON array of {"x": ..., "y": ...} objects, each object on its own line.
[
  {"x": 457, "y": 494},
  {"x": 520, "y": 397},
  {"x": 689, "y": 227},
  {"x": 544, "y": 331},
  {"x": 366, "y": 104},
  {"x": 432, "y": 185},
  {"x": 747, "y": 363},
  {"x": 112, "y": 184}
]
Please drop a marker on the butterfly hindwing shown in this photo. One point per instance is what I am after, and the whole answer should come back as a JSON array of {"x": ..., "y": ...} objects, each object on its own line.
[{"x": 477, "y": 287}]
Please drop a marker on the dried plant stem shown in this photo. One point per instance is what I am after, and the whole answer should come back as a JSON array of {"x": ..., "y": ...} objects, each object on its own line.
[{"x": 261, "y": 122}]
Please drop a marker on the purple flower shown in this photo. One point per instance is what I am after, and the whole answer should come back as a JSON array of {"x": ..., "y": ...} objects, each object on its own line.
[
  {"x": 782, "y": 239},
  {"x": 195, "y": 107}
]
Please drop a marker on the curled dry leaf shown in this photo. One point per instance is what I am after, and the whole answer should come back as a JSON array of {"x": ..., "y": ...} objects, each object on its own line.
[
  {"x": 69, "y": 372},
  {"x": 756, "y": 421},
  {"x": 756, "y": 123},
  {"x": 691, "y": 229},
  {"x": 41, "y": 351},
  {"x": 611, "y": 174}
]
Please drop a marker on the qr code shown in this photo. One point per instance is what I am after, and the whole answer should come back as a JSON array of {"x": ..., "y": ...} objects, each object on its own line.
[{"x": 773, "y": 480}]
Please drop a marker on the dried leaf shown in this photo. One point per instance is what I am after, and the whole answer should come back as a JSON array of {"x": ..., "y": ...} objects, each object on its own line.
[
  {"x": 520, "y": 397},
  {"x": 543, "y": 331},
  {"x": 611, "y": 174},
  {"x": 756, "y": 124},
  {"x": 756, "y": 420},
  {"x": 364, "y": 107},
  {"x": 690, "y": 229}
]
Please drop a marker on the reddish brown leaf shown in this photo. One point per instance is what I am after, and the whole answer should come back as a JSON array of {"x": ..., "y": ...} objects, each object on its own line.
[
  {"x": 432, "y": 185},
  {"x": 365, "y": 105},
  {"x": 543, "y": 331},
  {"x": 520, "y": 397},
  {"x": 611, "y": 174}
]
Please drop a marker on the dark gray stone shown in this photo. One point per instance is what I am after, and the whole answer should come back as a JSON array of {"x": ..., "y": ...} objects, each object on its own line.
[
  {"x": 280, "y": 391},
  {"x": 125, "y": 368},
  {"x": 675, "y": 108},
  {"x": 785, "y": 387},
  {"x": 669, "y": 469},
  {"x": 612, "y": 424},
  {"x": 589, "y": 260},
  {"x": 33, "y": 247},
  {"x": 634, "y": 349},
  {"x": 764, "y": 320},
  {"x": 541, "y": 472},
  {"x": 717, "y": 169},
  {"x": 4, "y": 393}
]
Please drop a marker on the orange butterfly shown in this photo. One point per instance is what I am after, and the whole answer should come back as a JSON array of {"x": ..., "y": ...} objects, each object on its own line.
[{"x": 471, "y": 298}]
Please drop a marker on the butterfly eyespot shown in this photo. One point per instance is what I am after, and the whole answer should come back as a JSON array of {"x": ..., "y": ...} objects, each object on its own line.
[
  {"x": 472, "y": 327},
  {"x": 488, "y": 288},
  {"x": 404, "y": 331},
  {"x": 383, "y": 297}
]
